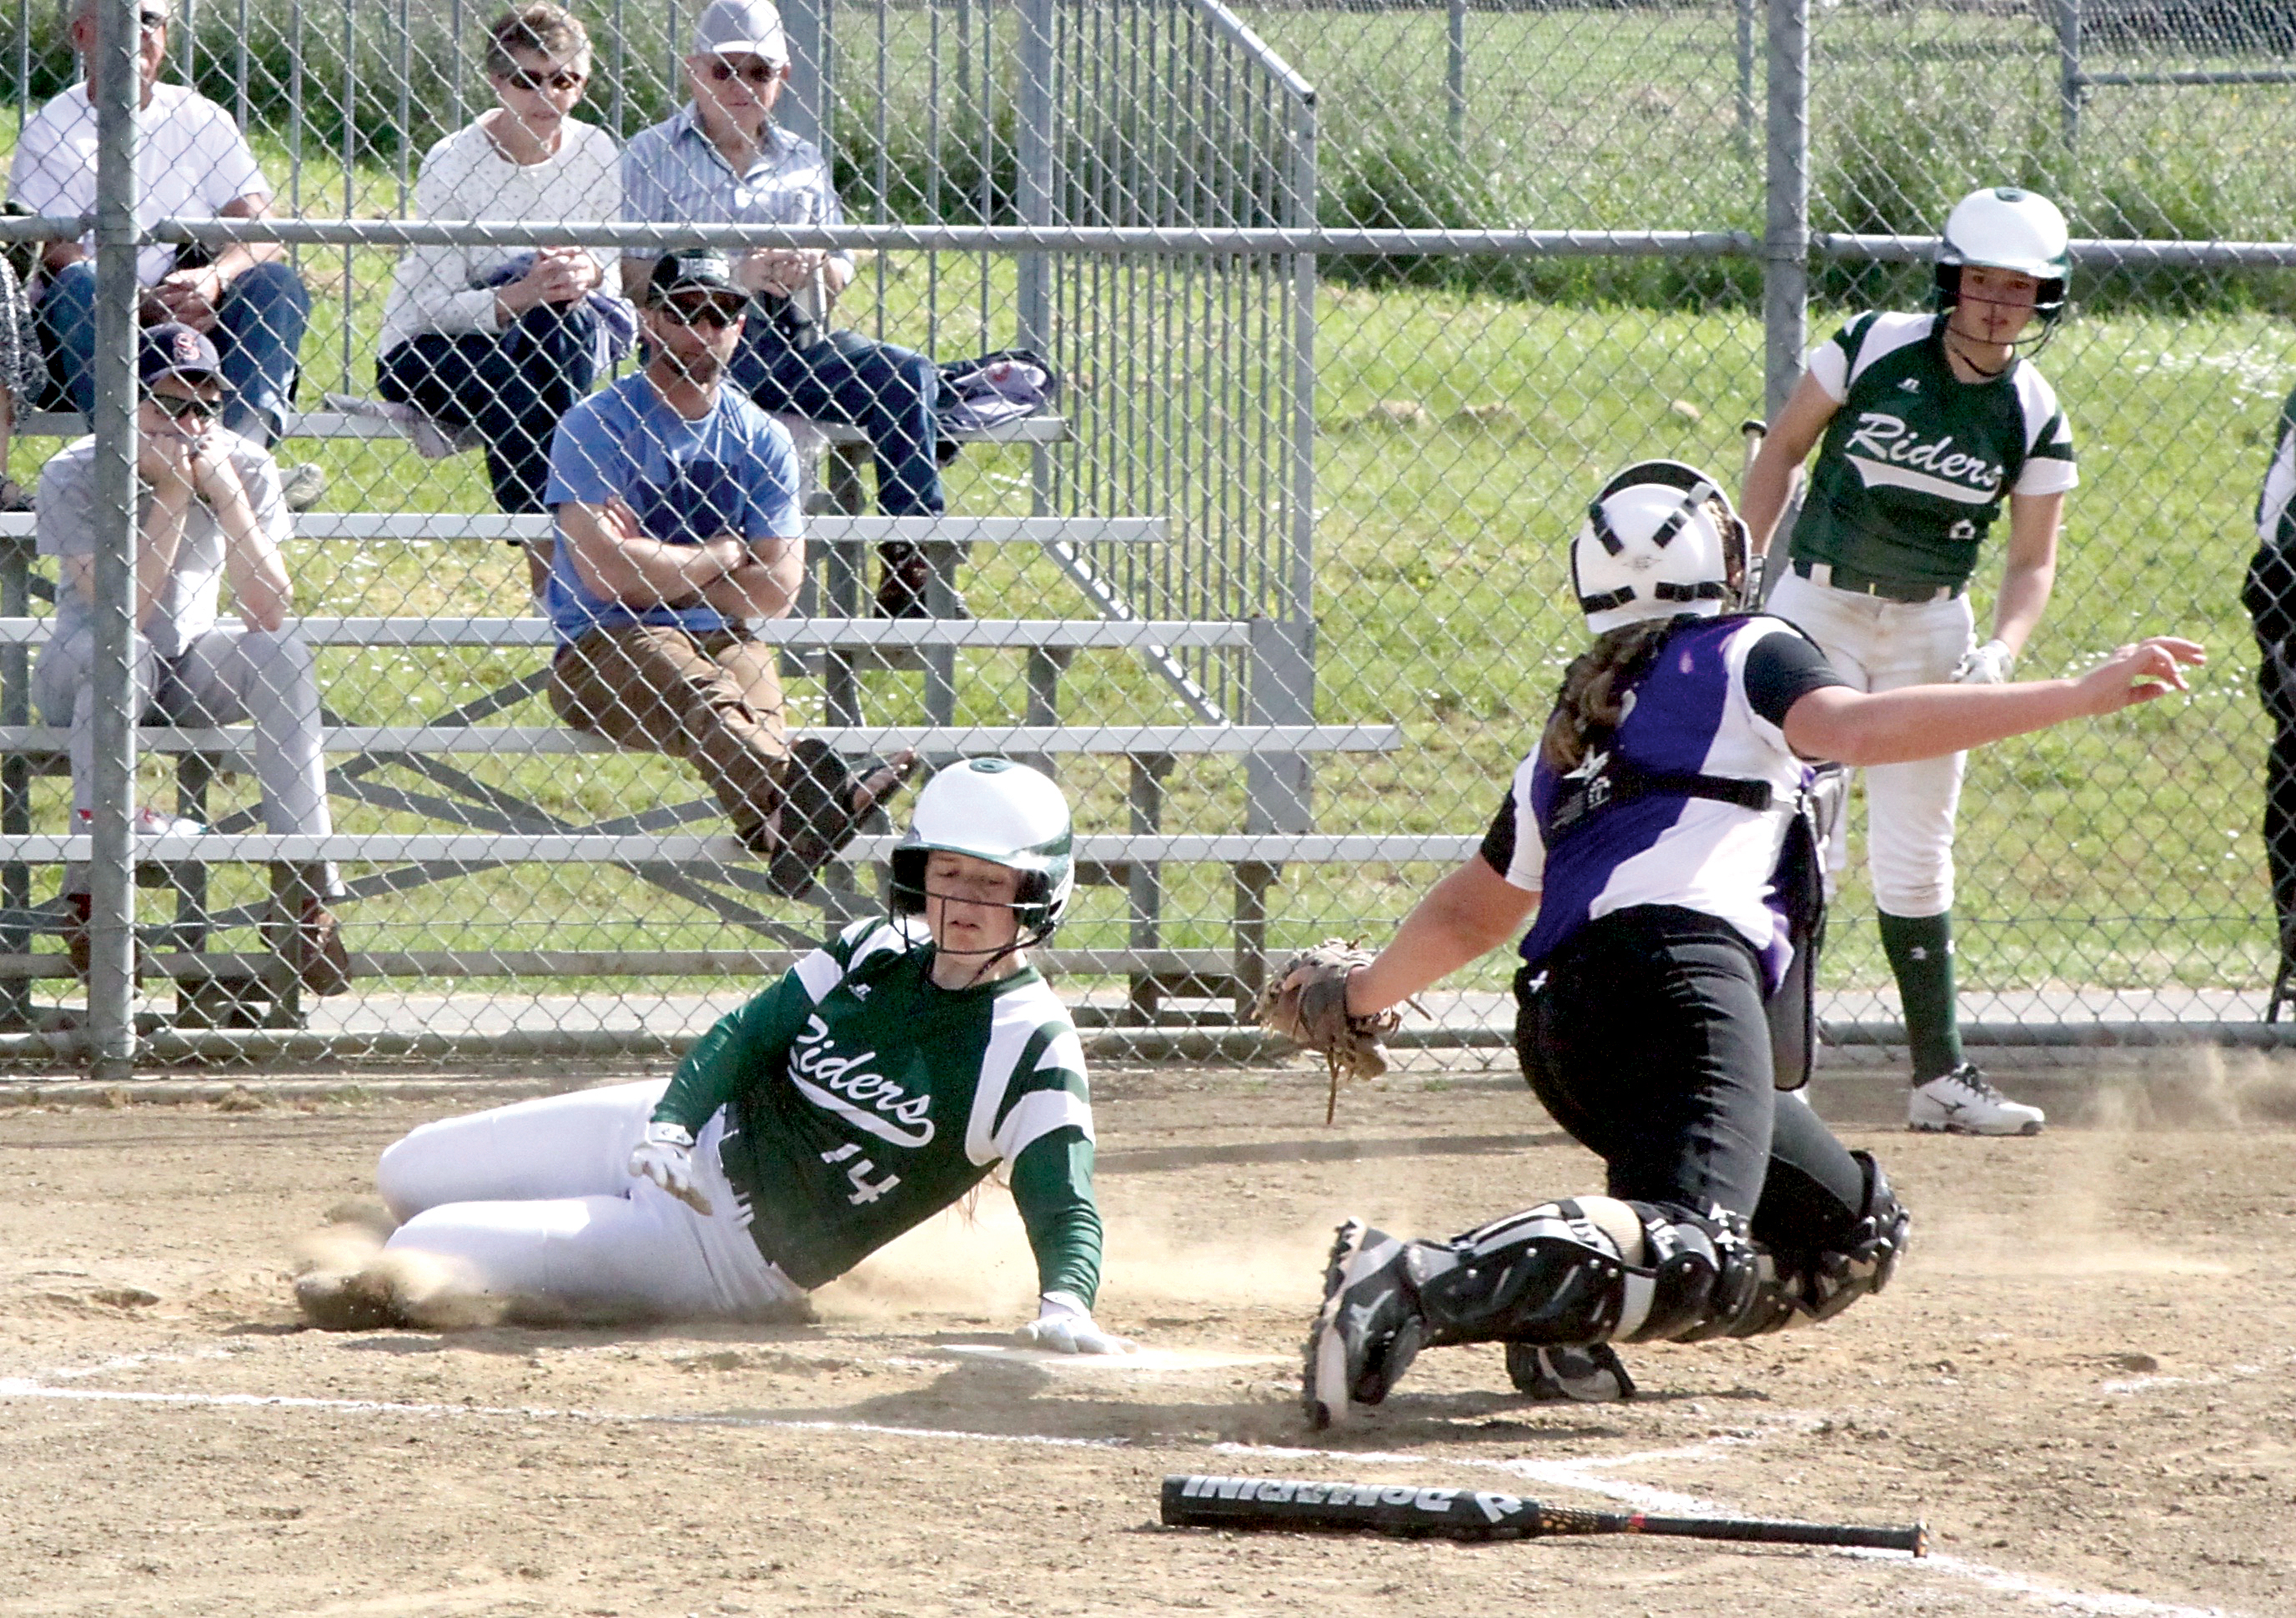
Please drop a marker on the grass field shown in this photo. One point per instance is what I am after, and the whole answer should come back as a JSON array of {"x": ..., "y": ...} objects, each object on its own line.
[{"x": 1458, "y": 432}]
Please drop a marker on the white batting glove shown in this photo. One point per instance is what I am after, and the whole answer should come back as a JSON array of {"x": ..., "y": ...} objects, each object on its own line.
[
  {"x": 665, "y": 1155},
  {"x": 1988, "y": 665},
  {"x": 1063, "y": 1324}
]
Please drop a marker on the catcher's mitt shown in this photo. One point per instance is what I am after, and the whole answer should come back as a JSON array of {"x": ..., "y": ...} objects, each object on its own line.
[{"x": 1306, "y": 1001}]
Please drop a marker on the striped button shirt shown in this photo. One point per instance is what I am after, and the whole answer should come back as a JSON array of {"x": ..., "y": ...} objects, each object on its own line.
[{"x": 673, "y": 174}]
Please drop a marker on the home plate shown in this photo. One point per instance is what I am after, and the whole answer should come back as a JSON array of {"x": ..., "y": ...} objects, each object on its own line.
[{"x": 1150, "y": 1360}]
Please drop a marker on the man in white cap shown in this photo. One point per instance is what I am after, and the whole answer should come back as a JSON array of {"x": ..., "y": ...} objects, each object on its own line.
[
  {"x": 192, "y": 161},
  {"x": 721, "y": 159}
]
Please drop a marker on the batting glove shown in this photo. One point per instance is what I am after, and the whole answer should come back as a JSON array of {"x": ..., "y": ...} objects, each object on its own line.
[
  {"x": 1064, "y": 1326},
  {"x": 1988, "y": 665},
  {"x": 665, "y": 1155}
]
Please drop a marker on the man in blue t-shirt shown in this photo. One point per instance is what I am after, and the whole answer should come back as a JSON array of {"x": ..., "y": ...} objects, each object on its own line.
[{"x": 678, "y": 521}]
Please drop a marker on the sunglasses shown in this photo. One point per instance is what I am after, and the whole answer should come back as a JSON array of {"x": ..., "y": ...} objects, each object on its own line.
[
  {"x": 186, "y": 408},
  {"x": 153, "y": 22},
  {"x": 560, "y": 79},
  {"x": 713, "y": 312},
  {"x": 757, "y": 74}
]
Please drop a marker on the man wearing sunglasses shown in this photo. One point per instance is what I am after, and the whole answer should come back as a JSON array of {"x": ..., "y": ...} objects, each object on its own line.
[
  {"x": 678, "y": 521},
  {"x": 192, "y": 162},
  {"x": 210, "y": 511},
  {"x": 721, "y": 159}
]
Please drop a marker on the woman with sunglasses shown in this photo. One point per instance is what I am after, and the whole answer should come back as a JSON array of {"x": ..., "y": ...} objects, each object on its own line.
[{"x": 499, "y": 341}]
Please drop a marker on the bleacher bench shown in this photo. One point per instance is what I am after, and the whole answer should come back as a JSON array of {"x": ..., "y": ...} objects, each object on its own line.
[{"x": 213, "y": 983}]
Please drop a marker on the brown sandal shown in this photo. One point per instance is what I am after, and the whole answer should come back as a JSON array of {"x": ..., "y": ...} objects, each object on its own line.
[{"x": 823, "y": 808}]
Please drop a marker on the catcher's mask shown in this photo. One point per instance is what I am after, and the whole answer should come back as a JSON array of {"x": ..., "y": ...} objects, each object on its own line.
[
  {"x": 1004, "y": 813},
  {"x": 2005, "y": 227},
  {"x": 1660, "y": 539}
]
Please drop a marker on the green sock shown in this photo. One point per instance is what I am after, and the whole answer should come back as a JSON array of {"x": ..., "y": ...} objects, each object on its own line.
[{"x": 1920, "y": 957}]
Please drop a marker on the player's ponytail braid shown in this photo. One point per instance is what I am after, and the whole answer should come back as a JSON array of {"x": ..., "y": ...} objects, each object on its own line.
[{"x": 1593, "y": 694}]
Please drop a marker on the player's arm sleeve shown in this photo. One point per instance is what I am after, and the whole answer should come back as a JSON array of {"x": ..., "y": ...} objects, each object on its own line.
[
  {"x": 1052, "y": 1186},
  {"x": 1512, "y": 846},
  {"x": 1829, "y": 368},
  {"x": 1782, "y": 667},
  {"x": 747, "y": 1046},
  {"x": 2049, "y": 466},
  {"x": 750, "y": 1046}
]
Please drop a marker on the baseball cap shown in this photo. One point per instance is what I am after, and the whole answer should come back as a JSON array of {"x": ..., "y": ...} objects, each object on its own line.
[
  {"x": 741, "y": 27},
  {"x": 692, "y": 269},
  {"x": 172, "y": 348}
]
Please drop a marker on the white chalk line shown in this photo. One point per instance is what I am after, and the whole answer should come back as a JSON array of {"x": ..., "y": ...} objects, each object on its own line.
[
  {"x": 25, "y": 1387},
  {"x": 1581, "y": 1474}
]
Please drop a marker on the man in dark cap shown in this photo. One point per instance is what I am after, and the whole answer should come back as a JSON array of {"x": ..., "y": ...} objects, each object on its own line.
[{"x": 678, "y": 521}]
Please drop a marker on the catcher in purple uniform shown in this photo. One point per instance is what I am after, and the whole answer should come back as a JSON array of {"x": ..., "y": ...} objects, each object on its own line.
[{"x": 1659, "y": 834}]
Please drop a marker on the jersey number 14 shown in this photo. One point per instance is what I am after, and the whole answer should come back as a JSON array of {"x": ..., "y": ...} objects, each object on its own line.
[{"x": 865, "y": 1189}]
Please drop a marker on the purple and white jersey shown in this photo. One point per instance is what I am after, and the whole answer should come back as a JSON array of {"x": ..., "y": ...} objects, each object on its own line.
[{"x": 1711, "y": 704}]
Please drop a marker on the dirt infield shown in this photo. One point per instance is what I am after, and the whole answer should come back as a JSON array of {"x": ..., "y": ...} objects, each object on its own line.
[{"x": 2081, "y": 1380}]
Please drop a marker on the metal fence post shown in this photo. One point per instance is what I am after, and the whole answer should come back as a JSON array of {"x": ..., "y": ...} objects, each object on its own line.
[
  {"x": 111, "y": 1023},
  {"x": 1455, "y": 71},
  {"x": 1037, "y": 106},
  {"x": 1746, "y": 75},
  {"x": 1785, "y": 223},
  {"x": 1280, "y": 686},
  {"x": 805, "y": 99},
  {"x": 2069, "y": 68}
]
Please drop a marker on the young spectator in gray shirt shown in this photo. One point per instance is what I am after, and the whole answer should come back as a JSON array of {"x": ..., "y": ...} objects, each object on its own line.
[{"x": 210, "y": 512}]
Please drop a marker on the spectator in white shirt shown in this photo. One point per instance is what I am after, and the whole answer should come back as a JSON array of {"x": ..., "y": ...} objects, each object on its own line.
[
  {"x": 500, "y": 340},
  {"x": 192, "y": 162}
]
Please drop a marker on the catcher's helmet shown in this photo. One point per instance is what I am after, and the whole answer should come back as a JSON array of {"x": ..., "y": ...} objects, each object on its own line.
[
  {"x": 2003, "y": 227},
  {"x": 1004, "y": 813},
  {"x": 1660, "y": 539}
]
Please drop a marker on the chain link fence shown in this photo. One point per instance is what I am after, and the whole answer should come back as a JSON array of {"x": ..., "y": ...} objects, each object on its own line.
[{"x": 1351, "y": 307}]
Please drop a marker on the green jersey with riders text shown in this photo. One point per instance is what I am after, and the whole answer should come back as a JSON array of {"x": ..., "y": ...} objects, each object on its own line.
[
  {"x": 1916, "y": 463},
  {"x": 861, "y": 1098}
]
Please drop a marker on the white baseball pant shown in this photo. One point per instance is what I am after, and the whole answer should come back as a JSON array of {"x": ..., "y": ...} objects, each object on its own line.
[
  {"x": 536, "y": 1200},
  {"x": 1878, "y": 645}
]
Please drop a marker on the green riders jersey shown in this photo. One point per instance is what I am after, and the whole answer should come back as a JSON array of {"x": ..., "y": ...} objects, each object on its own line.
[
  {"x": 861, "y": 1099},
  {"x": 1915, "y": 464}
]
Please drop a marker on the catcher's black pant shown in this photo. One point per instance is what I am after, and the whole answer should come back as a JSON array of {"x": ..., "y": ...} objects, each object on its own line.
[{"x": 1645, "y": 1037}]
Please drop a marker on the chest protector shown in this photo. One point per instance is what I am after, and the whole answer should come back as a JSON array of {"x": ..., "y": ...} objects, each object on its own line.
[{"x": 1798, "y": 879}]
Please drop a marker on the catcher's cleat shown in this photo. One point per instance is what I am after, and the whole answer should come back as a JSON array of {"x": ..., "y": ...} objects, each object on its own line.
[
  {"x": 1964, "y": 1102},
  {"x": 1369, "y": 1330},
  {"x": 1592, "y": 1376}
]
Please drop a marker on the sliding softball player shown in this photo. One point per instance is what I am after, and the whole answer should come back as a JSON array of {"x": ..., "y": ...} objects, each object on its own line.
[{"x": 876, "y": 1084}]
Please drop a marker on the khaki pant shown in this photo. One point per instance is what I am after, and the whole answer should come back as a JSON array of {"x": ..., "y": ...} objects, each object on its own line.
[{"x": 713, "y": 700}]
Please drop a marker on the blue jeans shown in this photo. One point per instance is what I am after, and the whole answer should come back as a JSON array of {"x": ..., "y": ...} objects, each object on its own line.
[
  {"x": 512, "y": 385},
  {"x": 259, "y": 331},
  {"x": 889, "y": 393}
]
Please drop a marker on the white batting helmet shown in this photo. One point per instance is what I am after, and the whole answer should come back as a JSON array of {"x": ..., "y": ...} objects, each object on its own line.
[
  {"x": 1660, "y": 539},
  {"x": 2003, "y": 227},
  {"x": 1004, "y": 813}
]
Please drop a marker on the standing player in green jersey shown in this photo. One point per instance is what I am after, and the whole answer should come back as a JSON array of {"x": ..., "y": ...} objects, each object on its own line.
[
  {"x": 1930, "y": 423},
  {"x": 884, "y": 1077}
]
